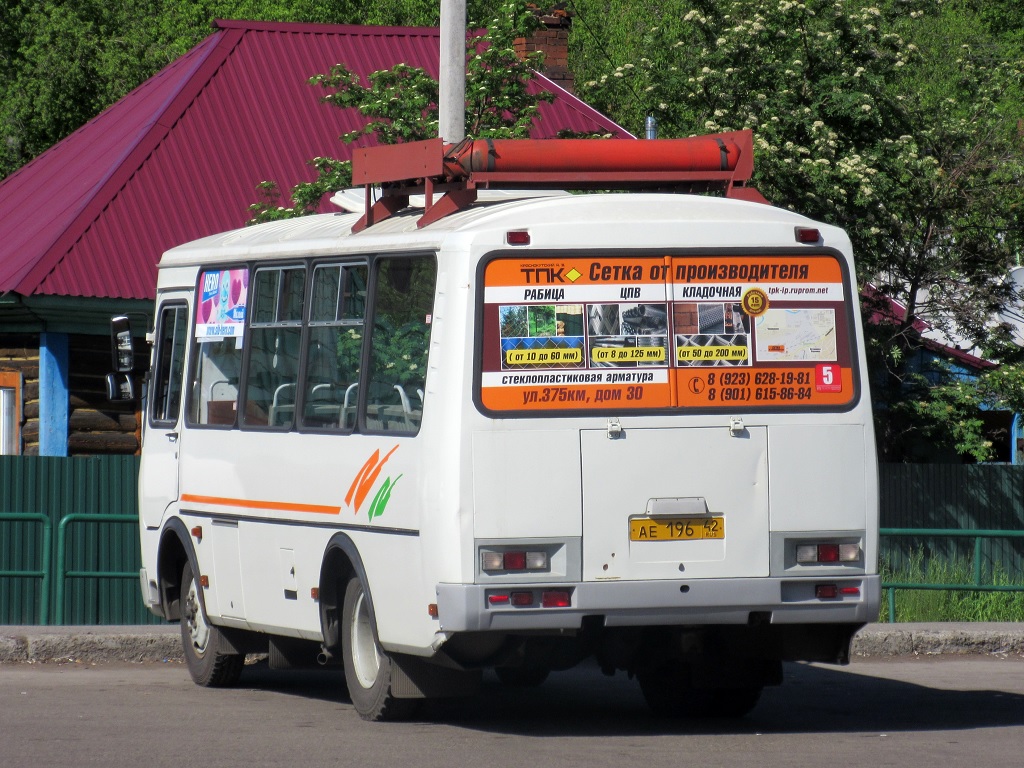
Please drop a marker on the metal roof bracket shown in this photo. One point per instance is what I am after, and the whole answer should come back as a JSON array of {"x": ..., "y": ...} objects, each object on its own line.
[{"x": 721, "y": 162}]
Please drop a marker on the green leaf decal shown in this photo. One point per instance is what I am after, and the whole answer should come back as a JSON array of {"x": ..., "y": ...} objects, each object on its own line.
[{"x": 380, "y": 501}]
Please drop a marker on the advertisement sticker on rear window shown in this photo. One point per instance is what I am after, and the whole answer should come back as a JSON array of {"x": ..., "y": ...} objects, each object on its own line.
[{"x": 664, "y": 332}]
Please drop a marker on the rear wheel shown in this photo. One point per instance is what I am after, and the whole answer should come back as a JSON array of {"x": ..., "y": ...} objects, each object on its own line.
[
  {"x": 201, "y": 641},
  {"x": 368, "y": 668},
  {"x": 668, "y": 692},
  {"x": 522, "y": 677}
]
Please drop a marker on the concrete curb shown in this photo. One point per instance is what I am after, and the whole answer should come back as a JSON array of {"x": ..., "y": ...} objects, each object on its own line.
[
  {"x": 880, "y": 640},
  {"x": 160, "y": 643},
  {"x": 97, "y": 645}
]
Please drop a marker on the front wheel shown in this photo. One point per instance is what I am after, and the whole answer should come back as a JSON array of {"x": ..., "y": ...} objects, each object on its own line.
[
  {"x": 368, "y": 668},
  {"x": 201, "y": 641}
]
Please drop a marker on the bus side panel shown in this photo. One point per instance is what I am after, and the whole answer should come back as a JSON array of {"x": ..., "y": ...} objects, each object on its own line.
[
  {"x": 401, "y": 598},
  {"x": 271, "y": 502}
]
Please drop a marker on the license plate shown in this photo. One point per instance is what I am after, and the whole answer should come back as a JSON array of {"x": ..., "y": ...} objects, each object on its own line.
[{"x": 676, "y": 528}]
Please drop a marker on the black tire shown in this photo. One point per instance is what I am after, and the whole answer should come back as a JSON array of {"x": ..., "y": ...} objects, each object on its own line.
[
  {"x": 201, "y": 641},
  {"x": 522, "y": 677},
  {"x": 669, "y": 694},
  {"x": 368, "y": 668}
]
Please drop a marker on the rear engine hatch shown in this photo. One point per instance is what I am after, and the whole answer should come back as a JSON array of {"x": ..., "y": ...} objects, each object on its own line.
[{"x": 675, "y": 503}]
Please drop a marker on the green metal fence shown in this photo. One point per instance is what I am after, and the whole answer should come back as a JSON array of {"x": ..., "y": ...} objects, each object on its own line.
[
  {"x": 979, "y": 580},
  {"x": 64, "y": 573},
  {"x": 972, "y": 497},
  {"x": 15, "y": 573},
  {"x": 88, "y": 572}
]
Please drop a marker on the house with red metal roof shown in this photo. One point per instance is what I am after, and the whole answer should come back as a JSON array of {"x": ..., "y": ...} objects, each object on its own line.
[{"x": 83, "y": 225}]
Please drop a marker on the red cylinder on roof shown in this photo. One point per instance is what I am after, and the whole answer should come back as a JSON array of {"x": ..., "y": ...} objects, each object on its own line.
[{"x": 697, "y": 154}]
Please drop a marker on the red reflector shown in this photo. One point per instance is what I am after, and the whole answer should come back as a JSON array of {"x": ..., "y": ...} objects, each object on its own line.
[
  {"x": 849, "y": 591},
  {"x": 522, "y": 598},
  {"x": 204, "y": 581},
  {"x": 826, "y": 591},
  {"x": 497, "y": 599},
  {"x": 828, "y": 553},
  {"x": 516, "y": 561},
  {"x": 198, "y": 531},
  {"x": 807, "y": 235},
  {"x": 432, "y": 610},
  {"x": 519, "y": 237},
  {"x": 555, "y": 600}
]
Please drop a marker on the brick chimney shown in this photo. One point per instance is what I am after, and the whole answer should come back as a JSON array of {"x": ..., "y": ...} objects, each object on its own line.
[{"x": 553, "y": 40}]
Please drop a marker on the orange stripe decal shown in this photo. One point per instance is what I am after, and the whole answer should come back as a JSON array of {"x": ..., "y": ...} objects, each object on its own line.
[
  {"x": 276, "y": 506},
  {"x": 357, "y": 482}
]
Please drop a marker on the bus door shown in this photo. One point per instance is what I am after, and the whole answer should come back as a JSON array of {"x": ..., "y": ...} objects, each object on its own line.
[{"x": 162, "y": 432}]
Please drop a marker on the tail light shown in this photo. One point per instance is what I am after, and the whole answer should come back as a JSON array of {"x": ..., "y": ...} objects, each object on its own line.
[
  {"x": 827, "y": 552},
  {"x": 527, "y": 598},
  {"x": 513, "y": 560}
]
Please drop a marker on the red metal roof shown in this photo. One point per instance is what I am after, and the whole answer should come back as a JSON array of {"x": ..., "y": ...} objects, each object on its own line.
[{"x": 180, "y": 156}]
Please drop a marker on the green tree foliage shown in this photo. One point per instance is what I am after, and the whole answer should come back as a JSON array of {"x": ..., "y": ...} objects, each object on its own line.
[
  {"x": 400, "y": 105},
  {"x": 64, "y": 61},
  {"x": 903, "y": 128}
]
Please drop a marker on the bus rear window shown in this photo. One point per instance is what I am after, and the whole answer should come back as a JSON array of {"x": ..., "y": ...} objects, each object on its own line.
[{"x": 756, "y": 331}]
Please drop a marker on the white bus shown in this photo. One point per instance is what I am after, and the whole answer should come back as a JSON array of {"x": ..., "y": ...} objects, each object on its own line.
[{"x": 628, "y": 427}]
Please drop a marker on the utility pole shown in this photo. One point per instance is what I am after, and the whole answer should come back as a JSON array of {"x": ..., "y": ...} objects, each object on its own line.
[{"x": 452, "y": 85}]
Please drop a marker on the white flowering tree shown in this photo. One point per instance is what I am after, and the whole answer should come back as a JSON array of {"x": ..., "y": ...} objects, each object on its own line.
[{"x": 919, "y": 157}]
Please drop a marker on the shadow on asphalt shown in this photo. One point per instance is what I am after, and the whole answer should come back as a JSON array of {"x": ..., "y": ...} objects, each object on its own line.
[{"x": 583, "y": 702}]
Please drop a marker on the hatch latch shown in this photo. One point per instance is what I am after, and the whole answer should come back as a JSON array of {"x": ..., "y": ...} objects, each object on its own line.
[{"x": 614, "y": 429}]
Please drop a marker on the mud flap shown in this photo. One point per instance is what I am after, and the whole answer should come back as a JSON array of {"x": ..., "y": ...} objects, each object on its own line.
[{"x": 415, "y": 678}]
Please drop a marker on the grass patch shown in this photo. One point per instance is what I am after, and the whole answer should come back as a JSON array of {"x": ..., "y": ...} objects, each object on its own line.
[{"x": 927, "y": 605}]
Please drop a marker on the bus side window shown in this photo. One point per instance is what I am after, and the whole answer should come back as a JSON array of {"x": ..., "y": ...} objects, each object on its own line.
[
  {"x": 215, "y": 385},
  {"x": 337, "y": 308},
  {"x": 275, "y": 336},
  {"x": 399, "y": 340},
  {"x": 172, "y": 333}
]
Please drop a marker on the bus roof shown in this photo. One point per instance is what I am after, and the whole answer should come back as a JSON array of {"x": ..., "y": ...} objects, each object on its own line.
[{"x": 591, "y": 220}]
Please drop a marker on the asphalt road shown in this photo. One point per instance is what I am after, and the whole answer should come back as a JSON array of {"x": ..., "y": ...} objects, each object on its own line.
[{"x": 910, "y": 712}]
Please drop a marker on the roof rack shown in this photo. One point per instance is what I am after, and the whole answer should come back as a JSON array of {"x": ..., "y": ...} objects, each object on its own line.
[{"x": 717, "y": 162}]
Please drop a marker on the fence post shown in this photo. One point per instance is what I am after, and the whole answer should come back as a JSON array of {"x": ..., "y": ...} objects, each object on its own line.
[{"x": 977, "y": 561}]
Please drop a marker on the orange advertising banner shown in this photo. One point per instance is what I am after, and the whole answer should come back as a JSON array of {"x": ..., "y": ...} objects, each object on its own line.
[{"x": 656, "y": 332}]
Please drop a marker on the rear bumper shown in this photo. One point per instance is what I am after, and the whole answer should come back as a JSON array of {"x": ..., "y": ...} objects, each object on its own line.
[{"x": 468, "y": 608}]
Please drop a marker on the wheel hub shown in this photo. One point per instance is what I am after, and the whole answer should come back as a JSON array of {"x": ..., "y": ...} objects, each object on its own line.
[
  {"x": 365, "y": 655},
  {"x": 195, "y": 622}
]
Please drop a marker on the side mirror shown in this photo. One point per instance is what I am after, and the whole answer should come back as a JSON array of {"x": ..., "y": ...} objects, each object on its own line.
[
  {"x": 121, "y": 345},
  {"x": 120, "y": 387}
]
